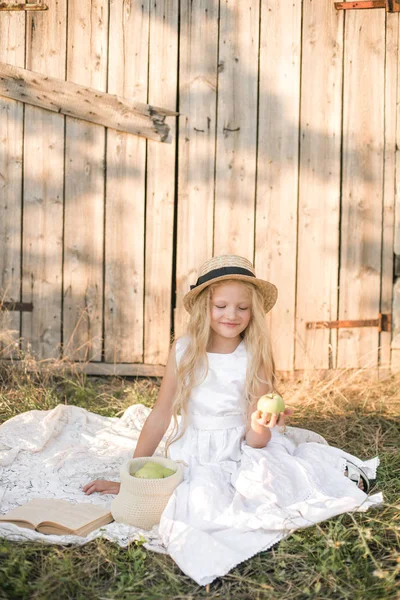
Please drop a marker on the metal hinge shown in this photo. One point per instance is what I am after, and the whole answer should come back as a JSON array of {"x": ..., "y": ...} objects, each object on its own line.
[
  {"x": 383, "y": 322},
  {"x": 391, "y": 6},
  {"x": 22, "y": 306},
  {"x": 14, "y": 6}
]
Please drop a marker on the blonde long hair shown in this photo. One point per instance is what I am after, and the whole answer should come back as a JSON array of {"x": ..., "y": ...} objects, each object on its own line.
[{"x": 193, "y": 365}]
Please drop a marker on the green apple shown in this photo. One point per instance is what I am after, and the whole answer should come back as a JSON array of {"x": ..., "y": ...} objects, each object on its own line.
[
  {"x": 144, "y": 473},
  {"x": 152, "y": 470},
  {"x": 168, "y": 472},
  {"x": 271, "y": 403}
]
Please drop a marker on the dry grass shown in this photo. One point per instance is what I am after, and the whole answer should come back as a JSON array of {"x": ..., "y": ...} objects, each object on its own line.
[{"x": 353, "y": 556}]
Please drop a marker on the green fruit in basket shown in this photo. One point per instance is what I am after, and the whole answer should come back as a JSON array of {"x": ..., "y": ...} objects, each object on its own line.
[
  {"x": 271, "y": 403},
  {"x": 152, "y": 470},
  {"x": 168, "y": 472}
]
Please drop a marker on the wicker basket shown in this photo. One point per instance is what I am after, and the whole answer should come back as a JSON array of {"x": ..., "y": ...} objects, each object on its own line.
[{"x": 141, "y": 502}]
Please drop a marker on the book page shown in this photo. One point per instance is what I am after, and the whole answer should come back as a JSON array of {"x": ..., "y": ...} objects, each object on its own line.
[{"x": 60, "y": 512}]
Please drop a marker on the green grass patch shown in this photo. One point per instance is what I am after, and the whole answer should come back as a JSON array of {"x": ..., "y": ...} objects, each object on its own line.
[{"x": 352, "y": 556}]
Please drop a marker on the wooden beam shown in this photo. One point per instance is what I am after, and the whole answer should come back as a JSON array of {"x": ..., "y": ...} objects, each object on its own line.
[
  {"x": 84, "y": 103},
  {"x": 144, "y": 370},
  {"x": 36, "y": 7},
  {"x": 120, "y": 369},
  {"x": 54, "y": 366}
]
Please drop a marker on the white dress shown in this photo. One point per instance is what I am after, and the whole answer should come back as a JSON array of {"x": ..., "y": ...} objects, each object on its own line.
[{"x": 235, "y": 500}]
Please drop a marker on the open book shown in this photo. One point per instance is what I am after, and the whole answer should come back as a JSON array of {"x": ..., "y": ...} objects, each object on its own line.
[{"x": 59, "y": 517}]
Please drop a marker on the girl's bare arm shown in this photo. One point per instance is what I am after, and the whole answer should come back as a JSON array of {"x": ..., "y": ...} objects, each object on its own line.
[
  {"x": 153, "y": 429},
  {"x": 159, "y": 419}
]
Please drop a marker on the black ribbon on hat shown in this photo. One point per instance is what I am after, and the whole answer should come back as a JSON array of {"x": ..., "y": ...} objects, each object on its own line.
[{"x": 220, "y": 273}]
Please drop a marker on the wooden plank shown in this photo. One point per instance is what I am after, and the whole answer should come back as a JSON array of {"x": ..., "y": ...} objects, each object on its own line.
[
  {"x": 197, "y": 128},
  {"x": 319, "y": 183},
  {"x": 160, "y": 191},
  {"x": 237, "y": 128},
  {"x": 396, "y": 241},
  {"x": 89, "y": 368},
  {"x": 83, "y": 102},
  {"x": 391, "y": 60},
  {"x": 12, "y": 50},
  {"x": 277, "y": 173},
  {"x": 84, "y": 187},
  {"x": 143, "y": 370},
  {"x": 43, "y": 190},
  {"x": 125, "y": 192},
  {"x": 363, "y": 142},
  {"x": 395, "y": 345},
  {"x": 121, "y": 370},
  {"x": 332, "y": 376}
]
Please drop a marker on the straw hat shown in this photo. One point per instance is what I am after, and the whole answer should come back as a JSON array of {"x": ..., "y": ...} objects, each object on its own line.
[{"x": 229, "y": 266}]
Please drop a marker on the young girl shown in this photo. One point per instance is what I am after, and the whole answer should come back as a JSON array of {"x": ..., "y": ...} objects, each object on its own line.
[{"x": 248, "y": 483}]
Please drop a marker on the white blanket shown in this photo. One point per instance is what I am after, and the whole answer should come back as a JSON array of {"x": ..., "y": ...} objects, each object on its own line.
[{"x": 53, "y": 454}]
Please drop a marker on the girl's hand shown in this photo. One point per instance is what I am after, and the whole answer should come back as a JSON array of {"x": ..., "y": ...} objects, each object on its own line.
[
  {"x": 271, "y": 420},
  {"x": 103, "y": 486}
]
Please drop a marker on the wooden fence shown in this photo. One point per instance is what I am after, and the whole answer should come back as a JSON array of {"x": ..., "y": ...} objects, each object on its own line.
[{"x": 284, "y": 152}]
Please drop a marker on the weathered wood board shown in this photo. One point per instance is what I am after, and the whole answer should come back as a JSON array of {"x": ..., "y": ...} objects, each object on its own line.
[
  {"x": 277, "y": 173},
  {"x": 196, "y": 159},
  {"x": 391, "y": 60},
  {"x": 84, "y": 188},
  {"x": 285, "y": 151},
  {"x": 95, "y": 106},
  {"x": 395, "y": 341},
  {"x": 160, "y": 191},
  {"x": 125, "y": 190},
  {"x": 236, "y": 141},
  {"x": 319, "y": 184},
  {"x": 43, "y": 189},
  {"x": 12, "y": 50},
  {"x": 361, "y": 222}
]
